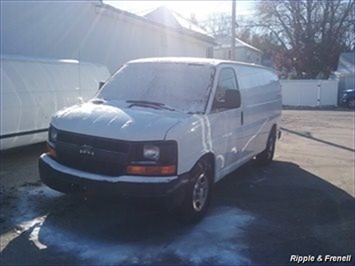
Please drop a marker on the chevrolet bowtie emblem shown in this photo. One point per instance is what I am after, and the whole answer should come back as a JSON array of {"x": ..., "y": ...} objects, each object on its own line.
[{"x": 86, "y": 150}]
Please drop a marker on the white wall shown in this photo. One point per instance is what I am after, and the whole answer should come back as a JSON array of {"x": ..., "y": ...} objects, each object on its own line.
[
  {"x": 88, "y": 31},
  {"x": 309, "y": 92}
]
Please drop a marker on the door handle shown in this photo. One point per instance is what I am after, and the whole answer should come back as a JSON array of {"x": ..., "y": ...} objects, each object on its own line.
[{"x": 241, "y": 118}]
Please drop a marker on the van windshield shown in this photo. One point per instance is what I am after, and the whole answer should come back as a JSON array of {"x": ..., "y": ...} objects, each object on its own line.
[{"x": 183, "y": 86}]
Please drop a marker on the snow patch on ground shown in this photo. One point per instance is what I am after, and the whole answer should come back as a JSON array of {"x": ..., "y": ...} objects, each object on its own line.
[
  {"x": 217, "y": 239},
  {"x": 28, "y": 213}
]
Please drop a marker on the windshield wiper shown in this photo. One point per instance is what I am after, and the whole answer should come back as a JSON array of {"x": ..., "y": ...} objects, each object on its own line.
[
  {"x": 97, "y": 101},
  {"x": 154, "y": 105},
  {"x": 196, "y": 113}
]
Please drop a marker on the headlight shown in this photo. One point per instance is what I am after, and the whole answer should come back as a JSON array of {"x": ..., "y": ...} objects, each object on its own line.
[
  {"x": 151, "y": 152},
  {"x": 52, "y": 134},
  {"x": 155, "y": 158}
]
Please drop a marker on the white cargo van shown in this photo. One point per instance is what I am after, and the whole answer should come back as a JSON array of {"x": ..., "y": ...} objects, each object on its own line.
[{"x": 165, "y": 128}]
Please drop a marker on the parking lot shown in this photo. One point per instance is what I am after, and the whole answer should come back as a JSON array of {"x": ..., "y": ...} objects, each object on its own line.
[{"x": 302, "y": 204}]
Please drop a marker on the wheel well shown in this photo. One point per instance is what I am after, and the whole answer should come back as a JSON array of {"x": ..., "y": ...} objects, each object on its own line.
[
  {"x": 273, "y": 129},
  {"x": 210, "y": 158}
]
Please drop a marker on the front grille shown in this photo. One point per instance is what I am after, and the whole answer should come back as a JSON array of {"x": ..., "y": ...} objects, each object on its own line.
[
  {"x": 97, "y": 142},
  {"x": 106, "y": 156}
]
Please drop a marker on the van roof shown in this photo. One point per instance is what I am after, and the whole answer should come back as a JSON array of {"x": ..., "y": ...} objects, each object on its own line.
[{"x": 192, "y": 60}]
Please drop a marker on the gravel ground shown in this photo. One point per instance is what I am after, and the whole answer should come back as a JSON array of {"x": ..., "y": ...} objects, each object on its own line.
[{"x": 302, "y": 204}]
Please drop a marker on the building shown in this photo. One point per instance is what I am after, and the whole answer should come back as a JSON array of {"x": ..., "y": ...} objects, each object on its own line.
[
  {"x": 243, "y": 51},
  {"x": 94, "y": 32},
  {"x": 168, "y": 17}
]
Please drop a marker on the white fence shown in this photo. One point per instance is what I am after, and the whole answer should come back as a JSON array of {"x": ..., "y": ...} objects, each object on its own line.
[{"x": 309, "y": 92}]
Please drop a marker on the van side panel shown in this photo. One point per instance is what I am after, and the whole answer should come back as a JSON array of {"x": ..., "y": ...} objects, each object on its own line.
[
  {"x": 33, "y": 89},
  {"x": 262, "y": 105}
]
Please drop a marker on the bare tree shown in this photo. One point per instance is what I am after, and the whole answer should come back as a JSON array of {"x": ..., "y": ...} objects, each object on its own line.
[
  {"x": 218, "y": 24},
  {"x": 305, "y": 35},
  {"x": 313, "y": 33}
]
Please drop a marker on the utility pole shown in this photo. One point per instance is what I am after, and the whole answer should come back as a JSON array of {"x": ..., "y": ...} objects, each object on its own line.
[{"x": 233, "y": 29}]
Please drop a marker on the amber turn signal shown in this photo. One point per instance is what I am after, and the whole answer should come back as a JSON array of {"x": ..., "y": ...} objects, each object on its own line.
[
  {"x": 51, "y": 151},
  {"x": 151, "y": 170}
]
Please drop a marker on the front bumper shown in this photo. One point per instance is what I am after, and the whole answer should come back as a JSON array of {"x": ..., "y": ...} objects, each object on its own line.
[{"x": 73, "y": 181}]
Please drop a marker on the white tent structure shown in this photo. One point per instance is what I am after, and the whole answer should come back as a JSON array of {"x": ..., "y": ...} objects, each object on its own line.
[{"x": 32, "y": 89}]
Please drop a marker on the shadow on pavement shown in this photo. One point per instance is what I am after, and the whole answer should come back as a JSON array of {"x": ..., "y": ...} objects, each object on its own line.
[
  {"x": 309, "y": 136},
  {"x": 28, "y": 150},
  {"x": 297, "y": 213},
  {"x": 258, "y": 216},
  {"x": 316, "y": 108}
]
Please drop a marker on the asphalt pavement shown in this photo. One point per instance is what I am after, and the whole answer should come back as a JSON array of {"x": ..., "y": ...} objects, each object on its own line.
[{"x": 302, "y": 205}]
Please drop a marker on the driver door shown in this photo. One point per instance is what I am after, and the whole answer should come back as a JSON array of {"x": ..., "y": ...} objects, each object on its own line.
[{"x": 227, "y": 131}]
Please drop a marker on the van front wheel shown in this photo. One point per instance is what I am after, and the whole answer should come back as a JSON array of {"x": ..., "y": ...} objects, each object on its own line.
[
  {"x": 198, "y": 193},
  {"x": 265, "y": 157}
]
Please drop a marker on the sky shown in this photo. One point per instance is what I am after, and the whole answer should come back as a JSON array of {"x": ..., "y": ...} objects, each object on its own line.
[{"x": 201, "y": 9}]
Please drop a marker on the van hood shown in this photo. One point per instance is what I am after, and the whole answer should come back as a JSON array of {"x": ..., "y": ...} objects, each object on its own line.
[{"x": 117, "y": 120}]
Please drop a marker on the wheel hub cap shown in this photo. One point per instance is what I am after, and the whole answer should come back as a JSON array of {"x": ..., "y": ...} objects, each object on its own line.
[{"x": 200, "y": 192}]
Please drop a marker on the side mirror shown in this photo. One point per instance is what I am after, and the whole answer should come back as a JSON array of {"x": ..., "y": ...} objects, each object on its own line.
[
  {"x": 101, "y": 83},
  {"x": 232, "y": 99}
]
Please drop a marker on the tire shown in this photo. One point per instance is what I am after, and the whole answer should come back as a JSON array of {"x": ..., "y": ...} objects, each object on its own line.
[
  {"x": 265, "y": 157},
  {"x": 198, "y": 193},
  {"x": 350, "y": 103}
]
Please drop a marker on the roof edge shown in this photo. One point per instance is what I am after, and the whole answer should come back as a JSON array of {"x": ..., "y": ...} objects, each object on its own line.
[{"x": 200, "y": 36}]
